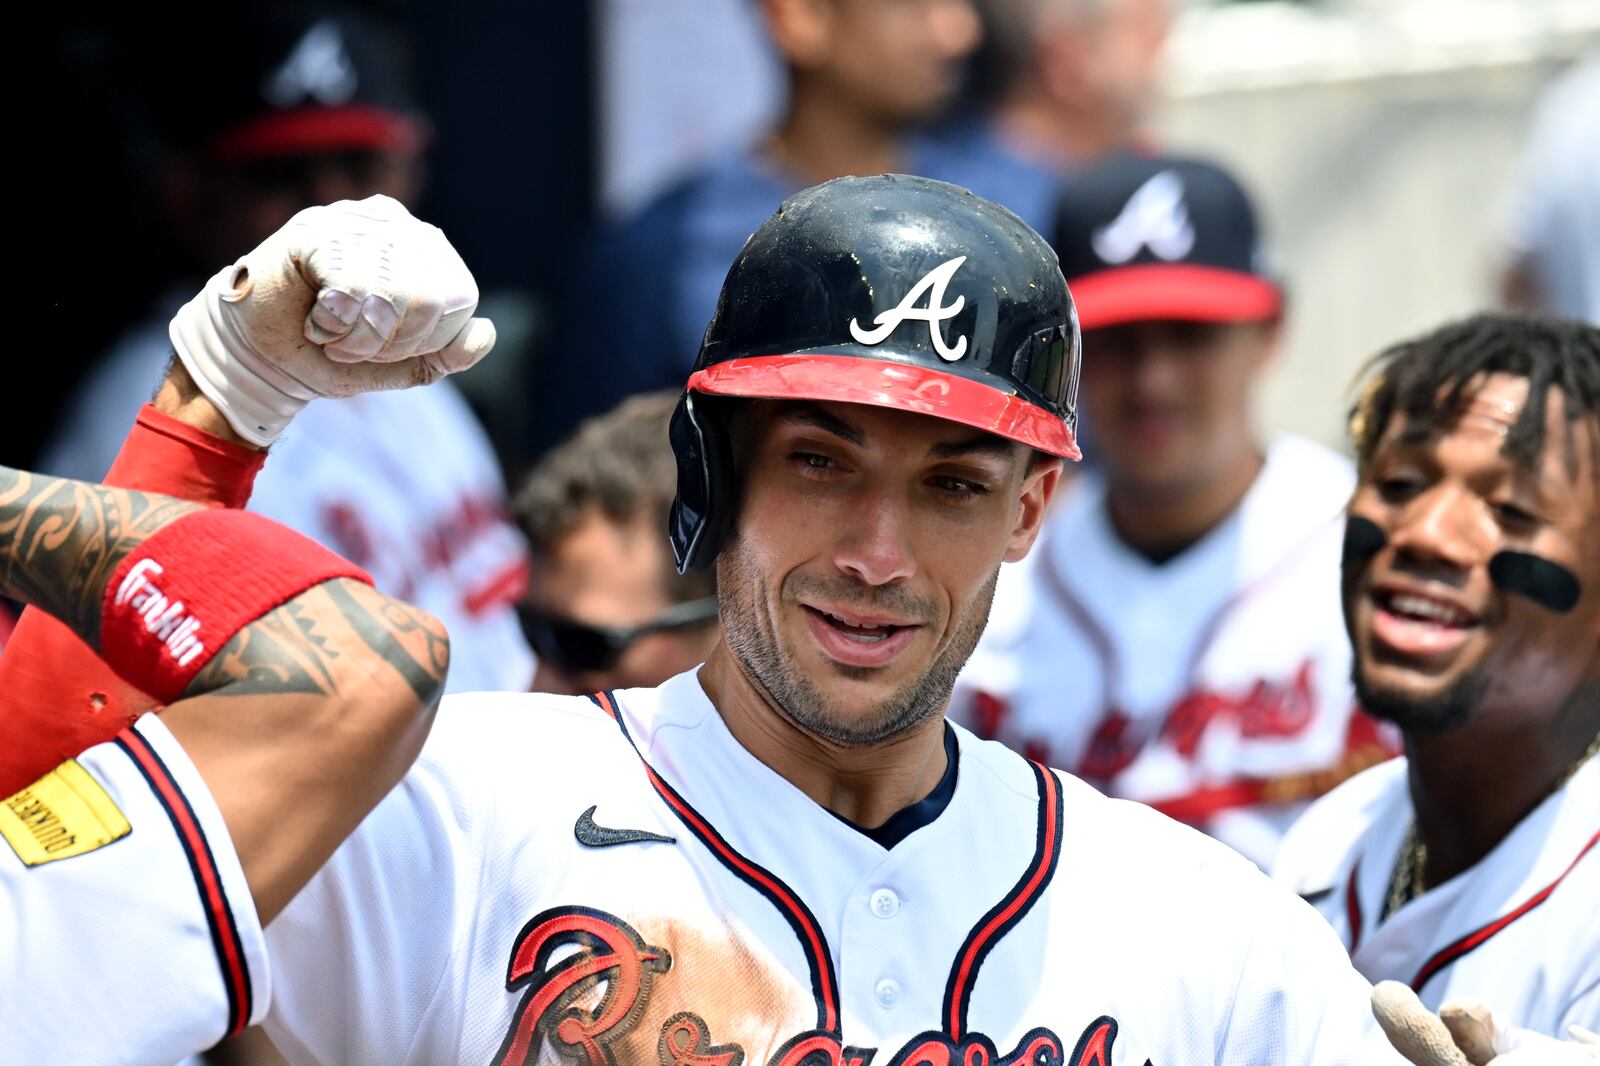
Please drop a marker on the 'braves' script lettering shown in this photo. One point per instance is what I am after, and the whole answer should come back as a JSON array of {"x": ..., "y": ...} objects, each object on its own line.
[
  {"x": 1279, "y": 709},
  {"x": 608, "y": 951},
  {"x": 569, "y": 956}
]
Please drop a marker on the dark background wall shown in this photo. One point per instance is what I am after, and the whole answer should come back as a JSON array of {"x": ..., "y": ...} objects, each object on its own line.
[{"x": 511, "y": 175}]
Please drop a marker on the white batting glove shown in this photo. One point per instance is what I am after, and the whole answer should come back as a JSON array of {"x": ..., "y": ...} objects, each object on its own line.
[
  {"x": 1466, "y": 1033},
  {"x": 354, "y": 297}
]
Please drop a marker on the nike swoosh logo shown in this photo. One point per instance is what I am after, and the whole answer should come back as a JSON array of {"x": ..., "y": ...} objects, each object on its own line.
[{"x": 598, "y": 836}]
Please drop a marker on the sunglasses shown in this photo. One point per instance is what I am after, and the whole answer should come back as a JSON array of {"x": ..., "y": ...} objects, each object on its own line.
[{"x": 582, "y": 648}]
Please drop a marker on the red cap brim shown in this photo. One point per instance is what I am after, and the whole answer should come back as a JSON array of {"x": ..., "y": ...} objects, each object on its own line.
[
  {"x": 1172, "y": 291},
  {"x": 884, "y": 383},
  {"x": 307, "y": 130}
]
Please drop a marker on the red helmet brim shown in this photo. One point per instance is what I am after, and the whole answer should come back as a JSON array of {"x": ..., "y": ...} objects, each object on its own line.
[{"x": 884, "y": 383}]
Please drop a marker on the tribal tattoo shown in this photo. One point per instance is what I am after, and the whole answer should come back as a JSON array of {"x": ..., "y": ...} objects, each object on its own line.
[
  {"x": 61, "y": 540},
  {"x": 296, "y": 647}
]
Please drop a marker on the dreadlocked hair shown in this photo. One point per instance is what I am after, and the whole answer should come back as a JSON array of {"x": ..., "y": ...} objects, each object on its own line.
[{"x": 1438, "y": 370}]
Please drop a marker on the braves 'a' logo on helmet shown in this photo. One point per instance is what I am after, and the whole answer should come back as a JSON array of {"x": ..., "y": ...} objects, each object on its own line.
[{"x": 933, "y": 283}]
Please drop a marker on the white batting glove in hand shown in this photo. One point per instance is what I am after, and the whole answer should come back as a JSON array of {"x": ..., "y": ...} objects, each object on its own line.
[
  {"x": 354, "y": 297},
  {"x": 1466, "y": 1033}
]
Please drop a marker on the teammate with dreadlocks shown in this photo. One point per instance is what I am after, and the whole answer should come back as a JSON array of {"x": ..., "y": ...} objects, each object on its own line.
[{"x": 1472, "y": 598}]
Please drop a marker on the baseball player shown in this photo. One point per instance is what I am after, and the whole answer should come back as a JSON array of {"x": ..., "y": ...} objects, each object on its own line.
[
  {"x": 1186, "y": 584},
  {"x": 127, "y": 933},
  {"x": 142, "y": 849},
  {"x": 1472, "y": 596},
  {"x": 305, "y": 104},
  {"x": 786, "y": 856},
  {"x": 606, "y": 607}
]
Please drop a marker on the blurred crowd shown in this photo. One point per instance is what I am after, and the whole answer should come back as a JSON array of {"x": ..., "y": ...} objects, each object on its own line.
[{"x": 1175, "y": 638}]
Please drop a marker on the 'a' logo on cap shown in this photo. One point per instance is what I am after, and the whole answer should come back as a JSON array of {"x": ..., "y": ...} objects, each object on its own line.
[
  {"x": 933, "y": 283},
  {"x": 1155, "y": 216},
  {"x": 318, "y": 69}
]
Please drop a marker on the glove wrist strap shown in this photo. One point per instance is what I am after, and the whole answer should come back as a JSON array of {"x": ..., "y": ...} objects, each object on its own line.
[{"x": 225, "y": 369}]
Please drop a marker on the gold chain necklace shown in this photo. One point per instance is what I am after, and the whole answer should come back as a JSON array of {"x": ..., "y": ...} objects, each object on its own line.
[{"x": 1408, "y": 881}]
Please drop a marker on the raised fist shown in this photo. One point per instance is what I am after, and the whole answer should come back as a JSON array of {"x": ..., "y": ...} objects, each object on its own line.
[{"x": 354, "y": 297}]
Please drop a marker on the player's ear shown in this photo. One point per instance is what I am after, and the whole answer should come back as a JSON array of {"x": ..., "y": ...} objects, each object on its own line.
[
  {"x": 1272, "y": 335},
  {"x": 1033, "y": 501},
  {"x": 801, "y": 29}
]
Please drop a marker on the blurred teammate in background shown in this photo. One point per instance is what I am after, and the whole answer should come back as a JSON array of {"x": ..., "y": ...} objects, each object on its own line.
[
  {"x": 1554, "y": 230},
  {"x": 1074, "y": 81},
  {"x": 1177, "y": 639},
  {"x": 606, "y": 606},
  {"x": 862, "y": 74},
  {"x": 309, "y": 105}
]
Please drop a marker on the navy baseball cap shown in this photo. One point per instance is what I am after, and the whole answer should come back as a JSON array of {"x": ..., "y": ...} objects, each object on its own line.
[
  {"x": 291, "y": 79},
  {"x": 1142, "y": 238}
]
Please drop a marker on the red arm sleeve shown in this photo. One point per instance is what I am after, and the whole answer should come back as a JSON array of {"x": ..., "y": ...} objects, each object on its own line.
[{"x": 56, "y": 696}]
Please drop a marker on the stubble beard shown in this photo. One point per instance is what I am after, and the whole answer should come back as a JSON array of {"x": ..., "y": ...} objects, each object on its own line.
[
  {"x": 1429, "y": 716},
  {"x": 748, "y": 630}
]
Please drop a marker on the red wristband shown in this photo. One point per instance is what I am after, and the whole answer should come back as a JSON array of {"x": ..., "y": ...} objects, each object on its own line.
[
  {"x": 178, "y": 599},
  {"x": 174, "y": 458}
]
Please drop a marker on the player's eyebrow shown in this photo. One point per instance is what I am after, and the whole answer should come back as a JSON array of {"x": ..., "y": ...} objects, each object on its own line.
[
  {"x": 815, "y": 417},
  {"x": 978, "y": 445}
]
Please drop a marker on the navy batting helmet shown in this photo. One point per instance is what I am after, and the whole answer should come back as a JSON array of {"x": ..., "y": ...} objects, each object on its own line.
[{"x": 894, "y": 291}]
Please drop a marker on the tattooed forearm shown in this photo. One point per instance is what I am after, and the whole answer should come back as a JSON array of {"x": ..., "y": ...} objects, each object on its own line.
[
  {"x": 326, "y": 636},
  {"x": 60, "y": 541},
  {"x": 409, "y": 641},
  {"x": 279, "y": 652}
]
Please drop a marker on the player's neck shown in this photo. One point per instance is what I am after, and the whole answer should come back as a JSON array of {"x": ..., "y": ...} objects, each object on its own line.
[
  {"x": 1162, "y": 523},
  {"x": 1472, "y": 785},
  {"x": 865, "y": 786},
  {"x": 821, "y": 138}
]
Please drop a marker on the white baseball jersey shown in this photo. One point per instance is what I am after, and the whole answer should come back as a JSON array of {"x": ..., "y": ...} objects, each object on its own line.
[
  {"x": 1214, "y": 686},
  {"x": 562, "y": 880},
  {"x": 127, "y": 933},
  {"x": 1520, "y": 930},
  {"x": 402, "y": 483},
  {"x": 405, "y": 485}
]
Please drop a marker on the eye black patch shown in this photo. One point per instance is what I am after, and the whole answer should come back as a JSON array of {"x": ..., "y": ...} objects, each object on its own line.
[
  {"x": 1548, "y": 584},
  {"x": 1362, "y": 540}
]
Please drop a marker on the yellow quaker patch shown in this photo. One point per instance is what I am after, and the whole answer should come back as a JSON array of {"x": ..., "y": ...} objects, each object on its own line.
[{"x": 64, "y": 813}]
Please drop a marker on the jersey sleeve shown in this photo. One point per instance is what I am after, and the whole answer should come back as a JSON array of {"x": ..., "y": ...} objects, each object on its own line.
[
  {"x": 1298, "y": 999},
  {"x": 1307, "y": 858},
  {"x": 127, "y": 931},
  {"x": 1584, "y": 1010}
]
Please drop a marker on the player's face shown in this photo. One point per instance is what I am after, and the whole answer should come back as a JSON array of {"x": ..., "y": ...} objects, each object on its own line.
[
  {"x": 1168, "y": 403},
  {"x": 606, "y": 574},
  {"x": 895, "y": 61},
  {"x": 868, "y": 543},
  {"x": 1120, "y": 59},
  {"x": 1436, "y": 642},
  {"x": 236, "y": 207}
]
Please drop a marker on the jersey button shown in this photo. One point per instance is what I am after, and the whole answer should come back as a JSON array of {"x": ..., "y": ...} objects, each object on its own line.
[
  {"x": 888, "y": 992},
  {"x": 885, "y": 903}
]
